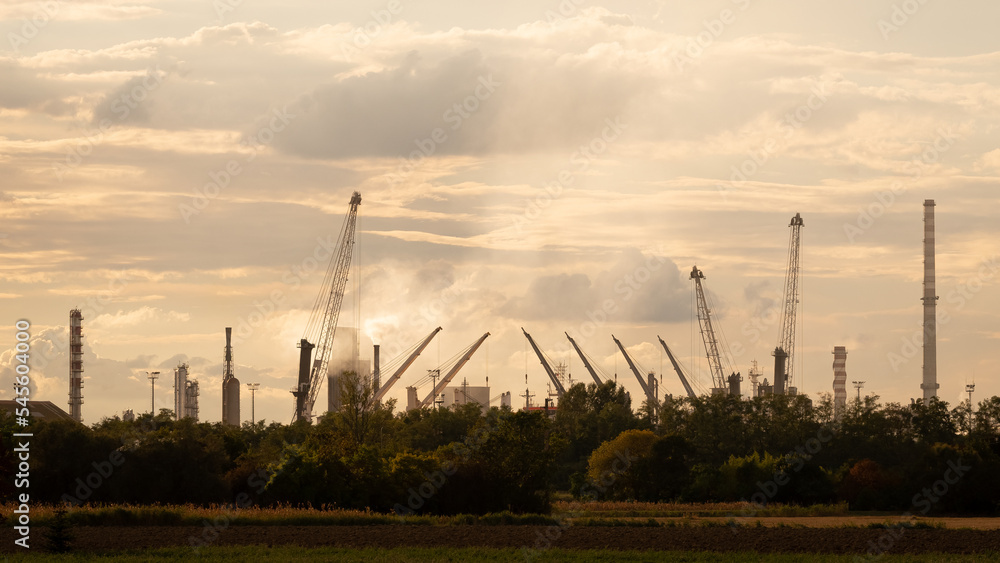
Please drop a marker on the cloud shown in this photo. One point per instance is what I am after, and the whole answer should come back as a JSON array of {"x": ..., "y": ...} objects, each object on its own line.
[
  {"x": 142, "y": 316},
  {"x": 638, "y": 288}
]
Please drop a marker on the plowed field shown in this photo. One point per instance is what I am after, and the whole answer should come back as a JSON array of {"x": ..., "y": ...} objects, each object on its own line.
[{"x": 717, "y": 538}]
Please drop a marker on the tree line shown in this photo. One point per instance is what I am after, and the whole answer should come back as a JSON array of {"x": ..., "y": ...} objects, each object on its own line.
[{"x": 923, "y": 457}]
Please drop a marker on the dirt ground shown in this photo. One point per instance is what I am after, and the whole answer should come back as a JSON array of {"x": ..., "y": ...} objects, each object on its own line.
[
  {"x": 696, "y": 538},
  {"x": 860, "y": 521}
]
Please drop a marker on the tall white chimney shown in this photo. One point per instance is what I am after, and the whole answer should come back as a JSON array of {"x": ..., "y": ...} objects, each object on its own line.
[{"x": 930, "y": 384}]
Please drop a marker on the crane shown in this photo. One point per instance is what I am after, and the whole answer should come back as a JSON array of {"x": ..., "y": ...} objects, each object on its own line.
[
  {"x": 405, "y": 365},
  {"x": 712, "y": 348},
  {"x": 465, "y": 356},
  {"x": 650, "y": 392},
  {"x": 560, "y": 390},
  {"x": 786, "y": 335},
  {"x": 677, "y": 368},
  {"x": 322, "y": 326},
  {"x": 586, "y": 360}
]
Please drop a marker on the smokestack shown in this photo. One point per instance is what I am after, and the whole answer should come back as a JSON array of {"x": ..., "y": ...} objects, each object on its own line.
[
  {"x": 230, "y": 385},
  {"x": 839, "y": 380},
  {"x": 180, "y": 391},
  {"x": 930, "y": 384},
  {"x": 376, "y": 372},
  {"x": 76, "y": 365}
]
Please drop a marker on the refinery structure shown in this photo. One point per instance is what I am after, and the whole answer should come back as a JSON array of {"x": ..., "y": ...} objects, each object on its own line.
[{"x": 327, "y": 352}]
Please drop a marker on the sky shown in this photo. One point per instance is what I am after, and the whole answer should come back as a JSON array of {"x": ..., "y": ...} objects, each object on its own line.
[{"x": 172, "y": 168}]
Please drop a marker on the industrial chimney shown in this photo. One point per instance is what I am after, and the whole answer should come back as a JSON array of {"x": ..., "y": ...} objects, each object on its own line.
[
  {"x": 76, "y": 365},
  {"x": 230, "y": 385},
  {"x": 376, "y": 371},
  {"x": 839, "y": 380},
  {"x": 930, "y": 384},
  {"x": 180, "y": 391}
]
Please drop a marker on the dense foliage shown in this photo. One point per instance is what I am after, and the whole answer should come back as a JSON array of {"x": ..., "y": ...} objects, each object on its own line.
[{"x": 919, "y": 458}]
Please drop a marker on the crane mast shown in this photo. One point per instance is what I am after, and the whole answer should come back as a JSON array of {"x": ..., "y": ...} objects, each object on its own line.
[
  {"x": 650, "y": 394},
  {"x": 409, "y": 361},
  {"x": 783, "y": 356},
  {"x": 453, "y": 372},
  {"x": 677, "y": 368},
  {"x": 586, "y": 361},
  {"x": 560, "y": 390},
  {"x": 322, "y": 326},
  {"x": 707, "y": 332}
]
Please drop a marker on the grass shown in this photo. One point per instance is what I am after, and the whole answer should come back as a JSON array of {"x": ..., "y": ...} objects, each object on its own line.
[
  {"x": 190, "y": 515},
  {"x": 675, "y": 510},
  {"x": 473, "y": 555}
]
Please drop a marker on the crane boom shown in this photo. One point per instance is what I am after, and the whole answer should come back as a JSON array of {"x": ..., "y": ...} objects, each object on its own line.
[
  {"x": 453, "y": 372},
  {"x": 560, "y": 390},
  {"x": 783, "y": 356},
  {"x": 324, "y": 316},
  {"x": 409, "y": 361},
  {"x": 677, "y": 368},
  {"x": 586, "y": 362},
  {"x": 707, "y": 332},
  {"x": 635, "y": 370}
]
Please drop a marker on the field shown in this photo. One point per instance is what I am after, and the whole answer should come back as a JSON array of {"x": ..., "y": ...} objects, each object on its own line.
[{"x": 574, "y": 532}]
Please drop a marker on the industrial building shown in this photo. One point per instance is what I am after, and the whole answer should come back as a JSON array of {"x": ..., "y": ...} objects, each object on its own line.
[{"x": 185, "y": 394}]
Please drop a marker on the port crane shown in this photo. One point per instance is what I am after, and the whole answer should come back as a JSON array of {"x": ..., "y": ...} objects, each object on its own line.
[
  {"x": 684, "y": 380},
  {"x": 405, "y": 365},
  {"x": 648, "y": 388},
  {"x": 322, "y": 326},
  {"x": 463, "y": 358},
  {"x": 716, "y": 359},
  {"x": 586, "y": 360},
  {"x": 783, "y": 353},
  {"x": 560, "y": 389}
]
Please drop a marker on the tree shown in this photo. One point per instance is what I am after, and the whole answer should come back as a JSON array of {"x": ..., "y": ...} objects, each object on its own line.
[{"x": 360, "y": 414}]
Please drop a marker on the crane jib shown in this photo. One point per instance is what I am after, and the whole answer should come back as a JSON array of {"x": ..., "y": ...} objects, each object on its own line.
[{"x": 341, "y": 263}]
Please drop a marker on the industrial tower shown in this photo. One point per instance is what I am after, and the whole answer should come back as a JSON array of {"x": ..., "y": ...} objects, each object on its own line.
[
  {"x": 322, "y": 326},
  {"x": 76, "y": 365},
  {"x": 715, "y": 359},
  {"x": 929, "y": 384},
  {"x": 180, "y": 391},
  {"x": 839, "y": 380},
  {"x": 230, "y": 385},
  {"x": 786, "y": 335}
]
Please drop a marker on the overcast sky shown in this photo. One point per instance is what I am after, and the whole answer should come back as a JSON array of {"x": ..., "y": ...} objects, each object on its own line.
[{"x": 176, "y": 167}]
